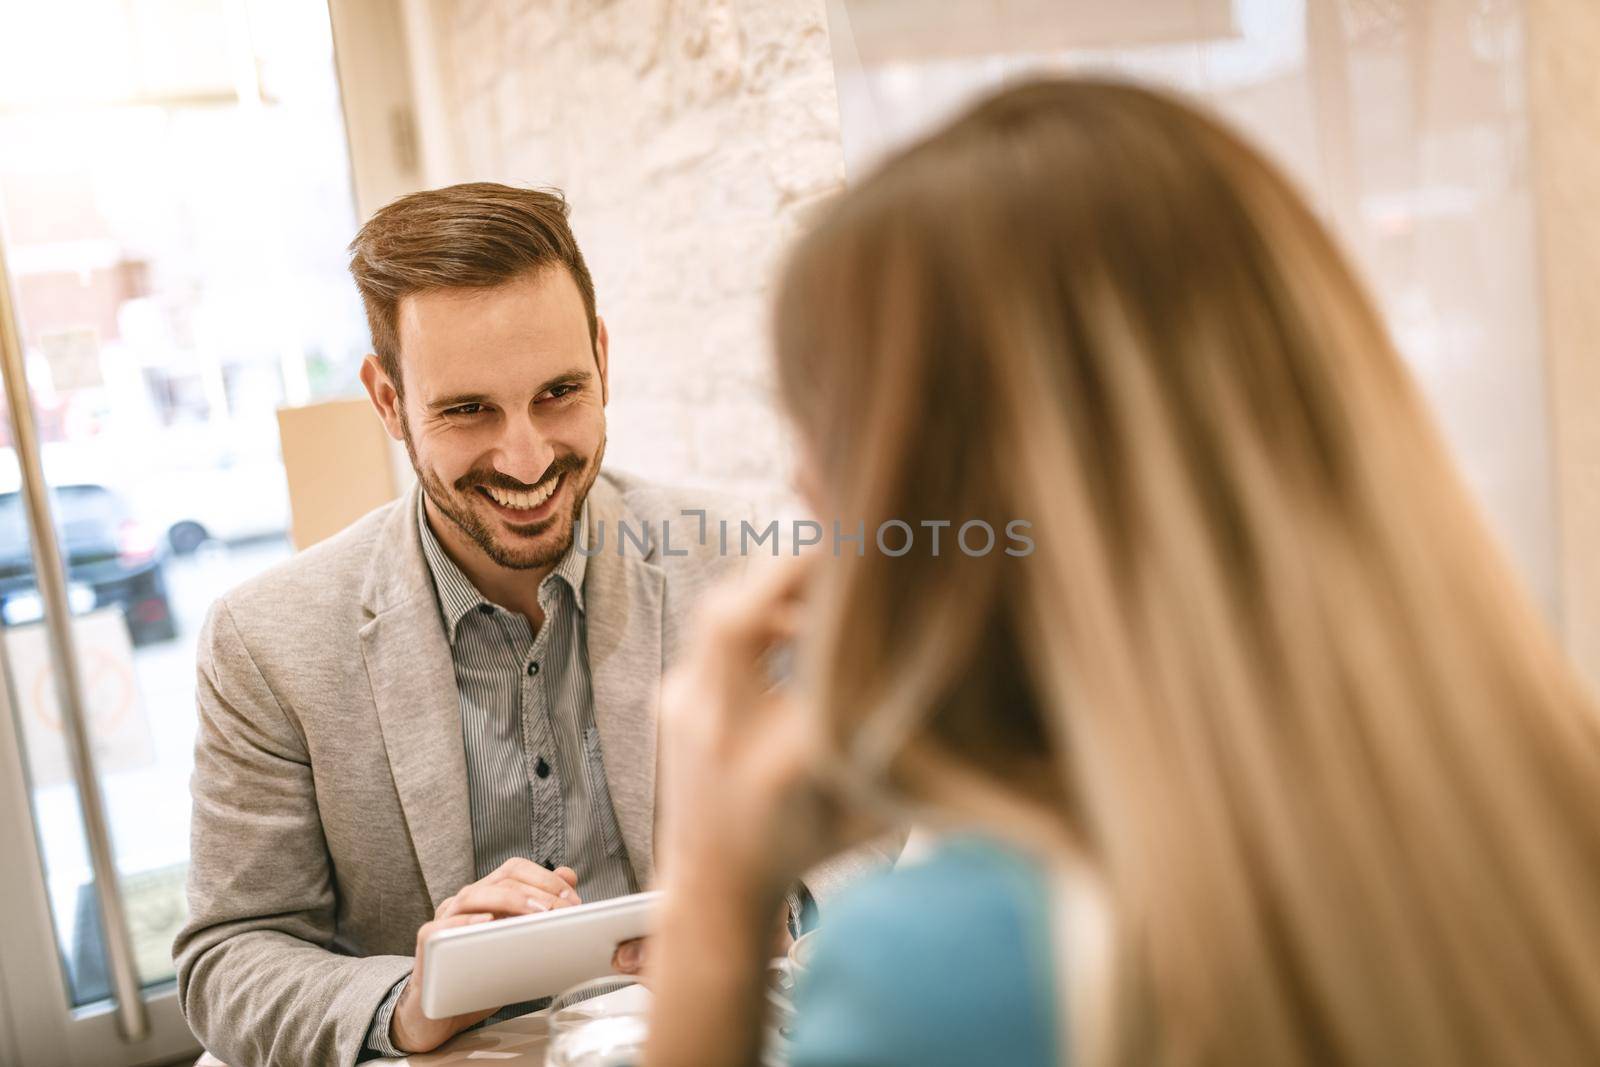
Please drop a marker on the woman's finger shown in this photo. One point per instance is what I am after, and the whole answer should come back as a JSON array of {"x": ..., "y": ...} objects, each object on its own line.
[{"x": 759, "y": 610}]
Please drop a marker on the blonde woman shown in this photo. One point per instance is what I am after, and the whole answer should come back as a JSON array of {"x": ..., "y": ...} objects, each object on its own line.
[{"x": 1257, "y": 756}]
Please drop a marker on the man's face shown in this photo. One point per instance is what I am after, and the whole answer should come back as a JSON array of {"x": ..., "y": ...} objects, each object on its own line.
[{"x": 503, "y": 412}]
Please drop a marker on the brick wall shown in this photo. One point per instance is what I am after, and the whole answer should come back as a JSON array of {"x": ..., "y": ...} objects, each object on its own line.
[{"x": 688, "y": 135}]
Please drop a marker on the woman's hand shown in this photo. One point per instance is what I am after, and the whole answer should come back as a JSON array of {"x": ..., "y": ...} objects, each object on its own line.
[
  {"x": 741, "y": 818},
  {"x": 741, "y": 813}
]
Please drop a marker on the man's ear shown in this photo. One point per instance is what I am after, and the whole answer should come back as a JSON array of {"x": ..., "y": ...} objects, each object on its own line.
[
  {"x": 385, "y": 397},
  {"x": 602, "y": 346}
]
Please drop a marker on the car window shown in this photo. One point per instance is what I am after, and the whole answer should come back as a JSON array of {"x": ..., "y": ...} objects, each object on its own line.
[
  {"x": 84, "y": 513},
  {"x": 13, "y": 526},
  {"x": 88, "y": 513}
]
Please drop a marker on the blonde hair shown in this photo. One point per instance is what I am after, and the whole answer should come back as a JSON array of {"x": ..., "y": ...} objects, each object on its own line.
[{"x": 1264, "y": 673}]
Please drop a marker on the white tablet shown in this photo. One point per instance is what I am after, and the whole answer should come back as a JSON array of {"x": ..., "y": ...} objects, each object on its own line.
[{"x": 507, "y": 961}]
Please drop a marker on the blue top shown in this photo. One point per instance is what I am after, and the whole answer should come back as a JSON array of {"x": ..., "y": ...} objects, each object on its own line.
[{"x": 947, "y": 963}]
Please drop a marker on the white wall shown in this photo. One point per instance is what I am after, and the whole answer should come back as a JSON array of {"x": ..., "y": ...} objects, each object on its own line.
[
  {"x": 691, "y": 134},
  {"x": 689, "y": 137},
  {"x": 1406, "y": 123},
  {"x": 1564, "y": 39}
]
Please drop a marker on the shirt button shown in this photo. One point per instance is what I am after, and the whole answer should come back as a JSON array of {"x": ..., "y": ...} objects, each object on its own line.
[
  {"x": 542, "y": 769},
  {"x": 533, "y": 668},
  {"x": 486, "y": 609}
]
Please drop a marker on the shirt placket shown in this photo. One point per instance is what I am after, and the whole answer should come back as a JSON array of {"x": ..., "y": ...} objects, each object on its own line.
[{"x": 546, "y": 812}]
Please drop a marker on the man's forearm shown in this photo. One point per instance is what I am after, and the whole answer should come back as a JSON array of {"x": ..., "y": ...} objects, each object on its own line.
[
  {"x": 265, "y": 997},
  {"x": 379, "y": 1038}
]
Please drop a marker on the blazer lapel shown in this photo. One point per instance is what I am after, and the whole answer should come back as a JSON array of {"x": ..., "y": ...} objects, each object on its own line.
[
  {"x": 623, "y": 598},
  {"x": 413, "y": 685}
]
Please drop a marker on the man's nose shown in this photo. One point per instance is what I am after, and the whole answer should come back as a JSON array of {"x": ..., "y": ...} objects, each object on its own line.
[{"x": 524, "y": 453}]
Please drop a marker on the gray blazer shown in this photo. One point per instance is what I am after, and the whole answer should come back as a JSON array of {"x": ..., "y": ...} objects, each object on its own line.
[{"x": 330, "y": 789}]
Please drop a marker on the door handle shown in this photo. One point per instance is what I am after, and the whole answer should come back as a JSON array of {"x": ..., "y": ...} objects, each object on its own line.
[{"x": 132, "y": 1020}]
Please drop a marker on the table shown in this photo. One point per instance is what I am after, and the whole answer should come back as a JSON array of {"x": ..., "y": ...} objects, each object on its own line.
[
  {"x": 518, "y": 1042},
  {"x": 521, "y": 1042}
]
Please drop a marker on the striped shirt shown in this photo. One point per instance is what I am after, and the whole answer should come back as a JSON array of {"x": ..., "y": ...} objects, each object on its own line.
[{"x": 536, "y": 782}]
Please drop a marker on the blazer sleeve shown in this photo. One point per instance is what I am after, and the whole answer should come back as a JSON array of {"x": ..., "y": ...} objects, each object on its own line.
[
  {"x": 827, "y": 880},
  {"x": 259, "y": 979}
]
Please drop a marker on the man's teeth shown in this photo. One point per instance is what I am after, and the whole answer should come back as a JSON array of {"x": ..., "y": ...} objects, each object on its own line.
[{"x": 522, "y": 501}]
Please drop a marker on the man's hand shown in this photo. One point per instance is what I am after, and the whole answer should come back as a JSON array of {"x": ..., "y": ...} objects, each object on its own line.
[
  {"x": 517, "y": 887},
  {"x": 632, "y": 957}
]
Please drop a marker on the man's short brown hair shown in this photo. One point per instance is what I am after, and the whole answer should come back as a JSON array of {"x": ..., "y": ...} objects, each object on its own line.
[{"x": 471, "y": 236}]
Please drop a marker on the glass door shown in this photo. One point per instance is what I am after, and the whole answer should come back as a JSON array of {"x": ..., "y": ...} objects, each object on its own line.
[{"x": 175, "y": 199}]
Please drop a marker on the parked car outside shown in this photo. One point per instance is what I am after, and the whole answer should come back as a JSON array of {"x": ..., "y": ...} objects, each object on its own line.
[
  {"x": 198, "y": 485},
  {"x": 190, "y": 485},
  {"x": 111, "y": 559}
]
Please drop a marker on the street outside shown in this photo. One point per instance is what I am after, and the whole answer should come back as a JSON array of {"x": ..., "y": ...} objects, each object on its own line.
[{"x": 148, "y": 805}]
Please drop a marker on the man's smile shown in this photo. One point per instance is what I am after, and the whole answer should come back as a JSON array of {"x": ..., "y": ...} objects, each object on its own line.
[{"x": 523, "y": 506}]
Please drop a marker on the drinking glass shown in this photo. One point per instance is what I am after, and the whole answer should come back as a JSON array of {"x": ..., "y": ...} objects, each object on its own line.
[{"x": 600, "y": 1023}]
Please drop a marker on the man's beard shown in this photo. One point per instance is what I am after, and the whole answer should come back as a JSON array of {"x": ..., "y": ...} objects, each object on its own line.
[{"x": 539, "y": 551}]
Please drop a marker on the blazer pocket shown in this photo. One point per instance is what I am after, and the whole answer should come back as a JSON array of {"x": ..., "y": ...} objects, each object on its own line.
[{"x": 599, "y": 793}]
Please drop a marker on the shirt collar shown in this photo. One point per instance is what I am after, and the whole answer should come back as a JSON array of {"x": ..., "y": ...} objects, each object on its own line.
[
  {"x": 574, "y": 565},
  {"x": 457, "y": 594}
]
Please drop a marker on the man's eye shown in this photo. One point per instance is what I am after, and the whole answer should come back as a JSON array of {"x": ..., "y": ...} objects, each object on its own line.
[
  {"x": 464, "y": 409},
  {"x": 562, "y": 390}
]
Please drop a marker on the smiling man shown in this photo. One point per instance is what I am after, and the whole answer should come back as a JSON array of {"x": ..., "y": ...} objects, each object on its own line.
[{"x": 446, "y": 713}]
